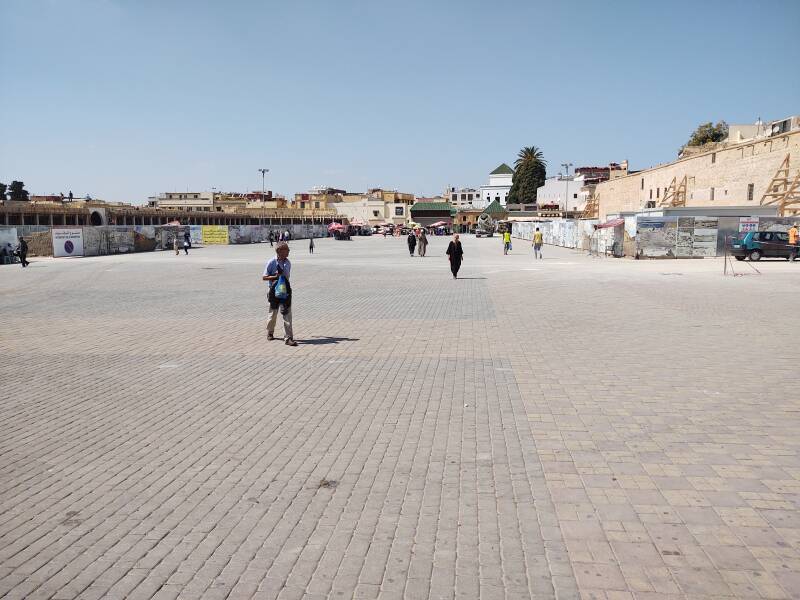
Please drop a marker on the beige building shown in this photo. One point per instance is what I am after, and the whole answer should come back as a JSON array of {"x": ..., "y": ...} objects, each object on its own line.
[
  {"x": 186, "y": 201},
  {"x": 318, "y": 198},
  {"x": 734, "y": 175},
  {"x": 219, "y": 202},
  {"x": 376, "y": 206}
]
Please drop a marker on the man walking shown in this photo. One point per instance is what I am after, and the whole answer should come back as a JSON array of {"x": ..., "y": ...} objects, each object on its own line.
[
  {"x": 311, "y": 245},
  {"x": 23, "y": 252},
  {"x": 793, "y": 242},
  {"x": 279, "y": 297},
  {"x": 506, "y": 242},
  {"x": 537, "y": 244},
  {"x": 412, "y": 242},
  {"x": 271, "y": 238}
]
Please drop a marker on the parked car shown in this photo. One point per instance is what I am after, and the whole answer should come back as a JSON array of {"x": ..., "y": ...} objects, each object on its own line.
[{"x": 756, "y": 245}]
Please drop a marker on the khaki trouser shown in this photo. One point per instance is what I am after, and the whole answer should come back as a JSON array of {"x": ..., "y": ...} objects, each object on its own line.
[{"x": 287, "y": 322}]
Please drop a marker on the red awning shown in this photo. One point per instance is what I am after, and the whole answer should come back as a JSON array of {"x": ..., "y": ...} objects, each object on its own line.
[{"x": 612, "y": 223}]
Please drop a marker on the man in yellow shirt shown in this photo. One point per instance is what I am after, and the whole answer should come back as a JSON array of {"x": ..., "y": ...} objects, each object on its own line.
[
  {"x": 537, "y": 244},
  {"x": 506, "y": 242},
  {"x": 793, "y": 242}
]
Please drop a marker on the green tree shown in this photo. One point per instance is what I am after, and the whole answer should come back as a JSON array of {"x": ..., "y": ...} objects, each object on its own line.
[
  {"x": 17, "y": 192},
  {"x": 530, "y": 171},
  {"x": 708, "y": 132},
  {"x": 3, "y": 188}
]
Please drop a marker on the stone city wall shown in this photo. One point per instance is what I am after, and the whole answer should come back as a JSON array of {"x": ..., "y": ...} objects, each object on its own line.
[{"x": 729, "y": 171}]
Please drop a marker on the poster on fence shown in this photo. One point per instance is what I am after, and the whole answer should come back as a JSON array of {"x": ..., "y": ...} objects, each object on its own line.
[
  {"x": 704, "y": 241},
  {"x": 215, "y": 234},
  {"x": 657, "y": 236},
  {"x": 67, "y": 242},
  {"x": 684, "y": 244},
  {"x": 748, "y": 224}
]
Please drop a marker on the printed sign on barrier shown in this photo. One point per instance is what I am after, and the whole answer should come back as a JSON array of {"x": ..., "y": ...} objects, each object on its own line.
[
  {"x": 67, "y": 242},
  {"x": 215, "y": 234}
]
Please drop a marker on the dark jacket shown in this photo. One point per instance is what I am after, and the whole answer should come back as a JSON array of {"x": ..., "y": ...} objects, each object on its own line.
[
  {"x": 412, "y": 240},
  {"x": 454, "y": 251}
]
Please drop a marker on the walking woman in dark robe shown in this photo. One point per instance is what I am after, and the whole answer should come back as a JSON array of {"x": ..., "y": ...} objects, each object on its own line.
[
  {"x": 412, "y": 242},
  {"x": 456, "y": 254}
]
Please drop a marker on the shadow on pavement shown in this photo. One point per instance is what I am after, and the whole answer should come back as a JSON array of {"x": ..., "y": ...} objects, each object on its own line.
[{"x": 326, "y": 340}]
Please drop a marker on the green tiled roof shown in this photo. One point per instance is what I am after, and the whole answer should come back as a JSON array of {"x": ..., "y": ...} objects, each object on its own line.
[
  {"x": 503, "y": 169},
  {"x": 495, "y": 209},
  {"x": 430, "y": 207}
]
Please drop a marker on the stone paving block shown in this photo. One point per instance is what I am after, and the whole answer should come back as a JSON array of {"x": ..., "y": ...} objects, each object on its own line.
[{"x": 569, "y": 431}]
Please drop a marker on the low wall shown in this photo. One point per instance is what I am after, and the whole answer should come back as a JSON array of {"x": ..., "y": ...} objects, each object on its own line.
[
  {"x": 572, "y": 233},
  {"x": 650, "y": 237},
  {"x": 99, "y": 241}
]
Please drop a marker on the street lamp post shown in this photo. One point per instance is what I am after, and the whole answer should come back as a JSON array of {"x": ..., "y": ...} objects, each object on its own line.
[
  {"x": 263, "y": 193},
  {"x": 566, "y": 181}
]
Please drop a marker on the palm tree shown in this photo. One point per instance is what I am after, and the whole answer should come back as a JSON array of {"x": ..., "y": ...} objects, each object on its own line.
[
  {"x": 530, "y": 155},
  {"x": 530, "y": 170}
]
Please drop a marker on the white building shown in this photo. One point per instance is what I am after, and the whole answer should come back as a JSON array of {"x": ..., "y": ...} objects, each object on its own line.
[
  {"x": 463, "y": 198},
  {"x": 564, "y": 192},
  {"x": 498, "y": 188}
]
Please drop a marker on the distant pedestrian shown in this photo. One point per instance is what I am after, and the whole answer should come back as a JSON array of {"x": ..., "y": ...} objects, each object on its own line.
[
  {"x": 279, "y": 297},
  {"x": 187, "y": 239},
  {"x": 22, "y": 251},
  {"x": 412, "y": 243},
  {"x": 70, "y": 196},
  {"x": 271, "y": 237},
  {"x": 287, "y": 237},
  {"x": 793, "y": 242},
  {"x": 186, "y": 247},
  {"x": 455, "y": 255},
  {"x": 506, "y": 242},
  {"x": 175, "y": 245},
  {"x": 311, "y": 245},
  {"x": 537, "y": 244},
  {"x": 423, "y": 242}
]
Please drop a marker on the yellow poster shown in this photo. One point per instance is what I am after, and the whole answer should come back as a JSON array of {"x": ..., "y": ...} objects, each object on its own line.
[{"x": 215, "y": 234}]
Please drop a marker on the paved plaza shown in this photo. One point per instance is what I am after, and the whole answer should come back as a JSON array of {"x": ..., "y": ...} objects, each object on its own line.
[{"x": 570, "y": 427}]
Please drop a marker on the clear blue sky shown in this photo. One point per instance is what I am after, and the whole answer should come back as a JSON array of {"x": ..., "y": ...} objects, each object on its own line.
[{"x": 125, "y": 98}]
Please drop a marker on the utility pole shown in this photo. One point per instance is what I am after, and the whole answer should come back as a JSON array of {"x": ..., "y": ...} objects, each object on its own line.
[
  {"x": 263, "y": 193},
  {"x": 566, "y": 181}
]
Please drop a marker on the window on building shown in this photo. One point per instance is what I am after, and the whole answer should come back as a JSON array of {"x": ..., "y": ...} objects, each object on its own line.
[
  {"x": 650, "y": 204},
  {"x": 375, "y": 213},
  {"x": 713, "y": 157},
  {"x": 658, "y": 192},
  {"x": 455, "y": 198},
  {"x": 642, "y": 182},
  {"x": 196, "y": 196},
  {"x": 398, "y": 211},
  {"x": 651, "y": 193},
  {"x": 463, "y": 196},
  {"x": 316, "y": 204},
  {"x": 574, "y": 196},
  {"x": 749, "y": 192},
  {"x": 711, "y": 195}
]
